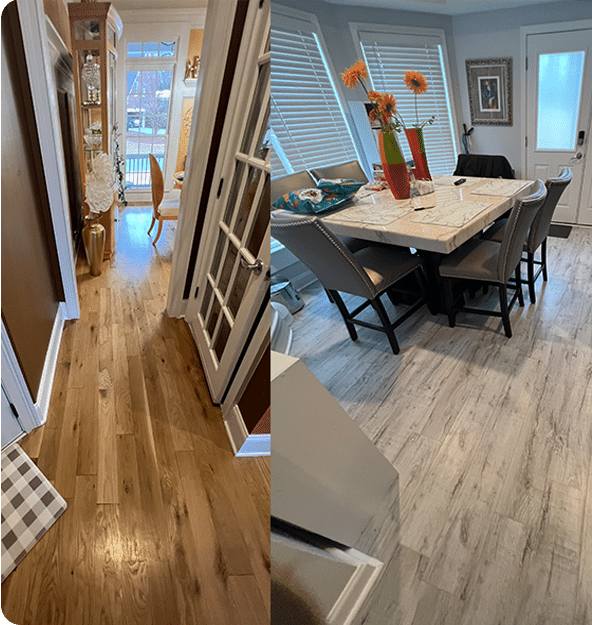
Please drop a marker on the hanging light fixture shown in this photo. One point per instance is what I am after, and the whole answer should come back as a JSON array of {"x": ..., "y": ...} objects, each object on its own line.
[{"x": 91, "y": 74}]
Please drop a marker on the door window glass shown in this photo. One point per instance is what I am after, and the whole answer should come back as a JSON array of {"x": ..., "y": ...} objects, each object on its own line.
[{"x": 560, "y": 86}]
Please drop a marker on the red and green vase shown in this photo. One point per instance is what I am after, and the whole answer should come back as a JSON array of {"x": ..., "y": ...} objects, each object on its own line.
[
  {"x": 393, "y": 163},
  {"x": 415, "y": 140}
]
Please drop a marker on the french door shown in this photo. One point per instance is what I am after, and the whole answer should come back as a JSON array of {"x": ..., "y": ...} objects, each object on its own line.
[
  {"x": 559, "y": 96},
  {"x": 231, "y": 283}
]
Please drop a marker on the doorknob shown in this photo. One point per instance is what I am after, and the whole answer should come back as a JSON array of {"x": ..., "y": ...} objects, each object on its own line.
[{"x": 256, "y": 267}]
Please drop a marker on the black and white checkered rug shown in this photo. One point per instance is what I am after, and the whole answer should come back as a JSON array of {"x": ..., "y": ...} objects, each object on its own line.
[{"x": 30, "y": 506}]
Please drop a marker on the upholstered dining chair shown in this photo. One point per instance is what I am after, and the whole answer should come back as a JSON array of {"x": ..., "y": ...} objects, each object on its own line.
[
  {"x": 304, "y": 180},
  {"x": 493, "y": 262},
  {"x": 161, "y": 211},
  {"x": 291, "y": 182},
  {"x": 368, "y": 273},
  {"x": 483, "y": 165},
  {"x": 350, "y": 170},
  {"x": 539, "y": 231}
]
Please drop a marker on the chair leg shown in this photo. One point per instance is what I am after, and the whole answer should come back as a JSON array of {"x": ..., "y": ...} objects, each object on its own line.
[
  {"x": 449, "y": 299},
  {"x": 544, "y": 259},
  {"x": 158, "y": 233},
  {"x": 503, "y": 294},
  {"x": 386, "y": 324},
  {"x": 518, "y": 278},
  {"x": 152, "y": 224},
  {"x": 329, "y": 297},
  {"x": 345, "y": 314},
  {"x": 530, "y": 263}
]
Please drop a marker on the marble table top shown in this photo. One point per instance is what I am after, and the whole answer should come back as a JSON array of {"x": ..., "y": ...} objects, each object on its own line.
[{"x": 451, "y": 215}]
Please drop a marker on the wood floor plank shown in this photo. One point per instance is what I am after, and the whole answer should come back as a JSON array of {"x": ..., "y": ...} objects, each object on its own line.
[
  {"x": 144, "y": 540},
  {"x": 492, "y": 440}
]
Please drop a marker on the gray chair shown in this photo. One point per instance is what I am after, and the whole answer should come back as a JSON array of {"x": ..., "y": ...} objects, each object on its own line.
[
  {"x": 350, "y": 170},
  {"x": 369, "y": 273},
  {"x": 291, "y": 182},
  {"x": 539, "y": 231},
  {"x": 491, "y": 262}
]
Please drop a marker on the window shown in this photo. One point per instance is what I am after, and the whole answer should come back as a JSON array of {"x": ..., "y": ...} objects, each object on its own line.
[
  {"x": 388, "y": 56},
  {"x": 307, "y": 122},
  {"x": 150, "y": 49},
  {"x": 147, "y": 103}
]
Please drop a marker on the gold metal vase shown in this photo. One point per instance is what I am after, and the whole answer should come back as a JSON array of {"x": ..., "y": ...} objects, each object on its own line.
[{"x": 93, "y": 237}]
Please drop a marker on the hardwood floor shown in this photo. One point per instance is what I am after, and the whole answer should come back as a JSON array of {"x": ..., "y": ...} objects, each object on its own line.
[
  {"x": 163, "y": 524},
  {"x": 492, "y": 438}
]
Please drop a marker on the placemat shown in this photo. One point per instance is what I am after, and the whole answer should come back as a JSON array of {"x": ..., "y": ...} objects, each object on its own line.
[{"x": 30, "y": 506}]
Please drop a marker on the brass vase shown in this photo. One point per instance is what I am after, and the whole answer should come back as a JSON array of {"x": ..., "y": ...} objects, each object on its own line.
[{"x": 93, "y": 237}]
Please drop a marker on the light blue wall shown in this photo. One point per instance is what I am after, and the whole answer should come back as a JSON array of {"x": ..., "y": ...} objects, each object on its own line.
[
  {"x": 488, "y": 34},
  {"x": 496, "y": 34}
]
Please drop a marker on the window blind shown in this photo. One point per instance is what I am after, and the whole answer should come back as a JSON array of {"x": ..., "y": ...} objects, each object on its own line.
[
  {"x": 308, "y": 126},
  {"x": 387, "y": 63}
]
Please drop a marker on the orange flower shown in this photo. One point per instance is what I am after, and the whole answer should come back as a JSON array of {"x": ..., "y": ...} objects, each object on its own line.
[
  {"x": 387, "y": 105},
  {"x": 356, "y": 71},
  {"x": 416, "y": 82},
  {"x": 374, "y": 96}
]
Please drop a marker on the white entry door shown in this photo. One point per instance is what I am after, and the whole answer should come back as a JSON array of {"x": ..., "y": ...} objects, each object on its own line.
[
  {"x": 559, "y": 96},
  {"x": 231, "y": 283}
]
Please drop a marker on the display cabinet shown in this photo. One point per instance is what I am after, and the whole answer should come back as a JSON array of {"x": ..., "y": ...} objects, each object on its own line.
[{"x": 95, "y": 28}]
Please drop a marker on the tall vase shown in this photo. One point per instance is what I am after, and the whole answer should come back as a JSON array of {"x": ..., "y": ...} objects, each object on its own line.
[
  {"x": 93, "y": 237},
  {"x": 415, "y": 140},
  {"x": 393, "y": 163}
]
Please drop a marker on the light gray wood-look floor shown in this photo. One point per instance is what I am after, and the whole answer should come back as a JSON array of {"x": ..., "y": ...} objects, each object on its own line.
[{"x": 492, "y": 438}]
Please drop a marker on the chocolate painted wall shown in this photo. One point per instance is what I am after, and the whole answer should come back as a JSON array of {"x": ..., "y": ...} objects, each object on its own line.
[{"x": 31, "y": 281}]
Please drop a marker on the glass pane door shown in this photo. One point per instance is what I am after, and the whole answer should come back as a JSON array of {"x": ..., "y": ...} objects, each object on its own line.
[
  {"x": 234, "y": 279},
  {"x": 147, "y": 105}
]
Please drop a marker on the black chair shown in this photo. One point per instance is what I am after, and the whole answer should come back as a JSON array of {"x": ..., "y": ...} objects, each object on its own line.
[
  {"x": 539, "y": 231},
  {"x": 369, "y": 273},
  {"x": 483, "y": 166},
  {"x": 491, "y": 262}
]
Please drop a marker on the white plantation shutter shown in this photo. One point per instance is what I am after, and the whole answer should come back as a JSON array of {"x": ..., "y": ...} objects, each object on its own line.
[
  {"x": 388, "y": 56},
  {"x": 308, "y": 126}
]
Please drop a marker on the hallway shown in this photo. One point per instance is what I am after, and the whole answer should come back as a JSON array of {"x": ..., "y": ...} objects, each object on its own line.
[{"x": 164, "y": 525}]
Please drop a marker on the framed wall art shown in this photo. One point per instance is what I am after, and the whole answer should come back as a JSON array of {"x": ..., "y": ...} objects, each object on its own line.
[{"x": 490, "y": 91}]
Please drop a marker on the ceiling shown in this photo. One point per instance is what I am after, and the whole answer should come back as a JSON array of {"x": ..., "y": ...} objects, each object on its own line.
[{"x": 446, "y": 7}]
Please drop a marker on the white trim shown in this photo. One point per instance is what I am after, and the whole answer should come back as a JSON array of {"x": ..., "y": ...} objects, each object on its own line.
[
  {"x": 256, "y": 445},
  {"x": 245, "y": 445},
  {"x": 217, "y": 35},
  {"x": 164, "y": 15},
  {"x": 43, "y": 92},
  {"x": 49, "y": 368},
  {"x": 16, "y": 386}
]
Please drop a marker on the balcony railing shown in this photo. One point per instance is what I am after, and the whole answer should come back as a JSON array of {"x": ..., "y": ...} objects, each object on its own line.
[{"x": 137, "y": 170}]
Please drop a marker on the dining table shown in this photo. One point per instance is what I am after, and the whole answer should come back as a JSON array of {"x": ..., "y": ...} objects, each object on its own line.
[{"x": 434, "y": 224}]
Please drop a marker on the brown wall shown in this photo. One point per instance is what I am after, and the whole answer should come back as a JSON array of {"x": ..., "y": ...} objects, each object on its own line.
[
  {"x": 255, "y": 400},
  {"x": 31, "y": 281}
]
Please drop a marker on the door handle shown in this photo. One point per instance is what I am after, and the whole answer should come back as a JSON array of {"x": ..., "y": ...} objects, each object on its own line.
[{"x": 256, "y": 267}]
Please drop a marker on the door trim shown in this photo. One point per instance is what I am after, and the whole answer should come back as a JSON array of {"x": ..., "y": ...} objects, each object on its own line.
[
  {"x": 538, "y": 30},
  {"x": 44, "y": 95}
]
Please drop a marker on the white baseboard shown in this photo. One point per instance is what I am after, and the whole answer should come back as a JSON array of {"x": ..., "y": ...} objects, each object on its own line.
[
  {"x": 243, "y": 443},
  {"x": 255, "y": 445},
  {"x": 49, "y": 368}
]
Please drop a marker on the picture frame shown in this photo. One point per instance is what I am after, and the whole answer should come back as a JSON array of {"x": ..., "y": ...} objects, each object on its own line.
[{"x": 490, "y": 91}]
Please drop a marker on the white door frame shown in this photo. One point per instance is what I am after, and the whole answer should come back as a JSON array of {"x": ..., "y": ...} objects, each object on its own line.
[
  {"x": 537, "y": 30},
  {"x": 44, "y": 94},
  {"x": 219, "y": 17}
]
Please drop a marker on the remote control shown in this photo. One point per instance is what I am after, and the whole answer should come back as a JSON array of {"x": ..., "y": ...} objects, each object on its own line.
[{"x": 460, "y": 181}]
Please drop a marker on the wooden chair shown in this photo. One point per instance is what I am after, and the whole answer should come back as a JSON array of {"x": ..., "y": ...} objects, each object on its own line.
[
  {"x": 490, "y": 262},
  {"x": 161, "y": 211}
]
